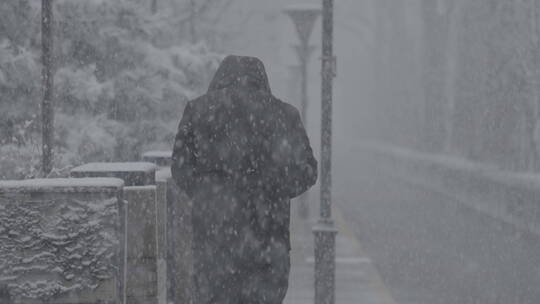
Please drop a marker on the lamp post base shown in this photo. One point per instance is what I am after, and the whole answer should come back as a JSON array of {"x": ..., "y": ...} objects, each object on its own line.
[{"x": 325, "y": 261}]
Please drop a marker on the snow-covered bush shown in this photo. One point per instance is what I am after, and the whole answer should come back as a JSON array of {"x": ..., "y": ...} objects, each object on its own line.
[
  {"x": 121, "y": 82},
  {"x": 18, "y": 162}
]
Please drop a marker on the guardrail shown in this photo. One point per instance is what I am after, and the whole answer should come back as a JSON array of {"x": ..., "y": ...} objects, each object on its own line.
[{"x": 508, "y": 196}]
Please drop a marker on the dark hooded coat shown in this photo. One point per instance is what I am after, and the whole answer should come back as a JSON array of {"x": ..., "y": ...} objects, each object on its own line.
[{"x": 241, "y": 154}]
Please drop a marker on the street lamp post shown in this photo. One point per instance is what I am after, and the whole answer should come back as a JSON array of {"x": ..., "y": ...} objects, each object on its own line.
[
  {"x": 47, "y": 103},
  {"x": 304, "y": 17},
  {"x": 154, "y": 6},
  {"x": 324, "y": 230},
  {"x": 192, "y": 18}
]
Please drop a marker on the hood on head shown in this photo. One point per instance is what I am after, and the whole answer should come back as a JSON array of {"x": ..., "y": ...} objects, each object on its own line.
[{"x": 240, "y": 71}]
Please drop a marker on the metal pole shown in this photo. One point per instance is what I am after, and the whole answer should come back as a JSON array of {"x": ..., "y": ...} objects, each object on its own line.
[
  {"x": 154, "y": 6},
  {"x": 192, "y": 12},
  {"x": 324, "y": 230},
  {"x": 303, "y": 65},
  {"x": 535, "y": 145},
  {"x": 47, "y": 78}
]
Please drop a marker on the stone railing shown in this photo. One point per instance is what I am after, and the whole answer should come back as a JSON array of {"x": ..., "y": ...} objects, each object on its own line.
[
  {"x": 141, "y": 196},
  {"x": 509, "y": 196},
  {"x": 154, "y": 264},
  {"x": 62, "y": 241}
]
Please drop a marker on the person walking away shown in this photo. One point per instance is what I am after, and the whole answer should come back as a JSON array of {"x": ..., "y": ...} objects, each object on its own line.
[{"x": 241, "y": 154}]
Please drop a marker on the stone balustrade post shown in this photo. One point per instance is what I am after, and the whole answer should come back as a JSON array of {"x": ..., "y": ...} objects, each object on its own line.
[
  {"x": 160, "y": 158},
  {"x": 62, "y": 241},
  {"x": 178, "y": 240},
  {"x": 161, "y": 221},
  {"x": 142, "y": 218}
]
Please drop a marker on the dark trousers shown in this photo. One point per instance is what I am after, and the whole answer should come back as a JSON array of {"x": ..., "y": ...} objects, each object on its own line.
[{"x": 221, "y": 277}]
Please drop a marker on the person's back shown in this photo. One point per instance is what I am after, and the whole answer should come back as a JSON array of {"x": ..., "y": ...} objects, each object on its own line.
[{"x": 241, "y": 154}]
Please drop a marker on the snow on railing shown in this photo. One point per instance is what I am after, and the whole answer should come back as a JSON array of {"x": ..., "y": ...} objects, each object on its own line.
[
  {"x": 133, "y": 173},
  {"x": 160, "y": 158}
]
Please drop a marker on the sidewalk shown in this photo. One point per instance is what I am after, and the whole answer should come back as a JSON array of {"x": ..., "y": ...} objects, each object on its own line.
[{"x": 357, "y": 281}]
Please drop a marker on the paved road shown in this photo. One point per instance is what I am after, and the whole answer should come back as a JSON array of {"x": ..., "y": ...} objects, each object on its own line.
[{"x": 429, "y": 248}]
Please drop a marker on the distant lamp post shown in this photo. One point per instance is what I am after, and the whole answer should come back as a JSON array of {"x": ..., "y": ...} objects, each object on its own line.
[
  {"x": 304, "y": 17},
  {"x": 192, "y": 19},
  {"x": 47, "y": 77},
  {"x": 154, "y": 6},
  {"x": 324, "y": 230}
]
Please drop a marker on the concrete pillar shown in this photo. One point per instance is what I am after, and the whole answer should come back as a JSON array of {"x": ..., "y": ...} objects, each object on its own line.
[
  {"x": 163, "y": 160},
  {"x": 142, "y": 245},
  {"x": 62, "y": 241},
  {"x": 161, "y": 221},
  {"x": 142, "y": 281},
  {"x": 160, "y": 158},
  {"x": 178, "y": 234}
]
